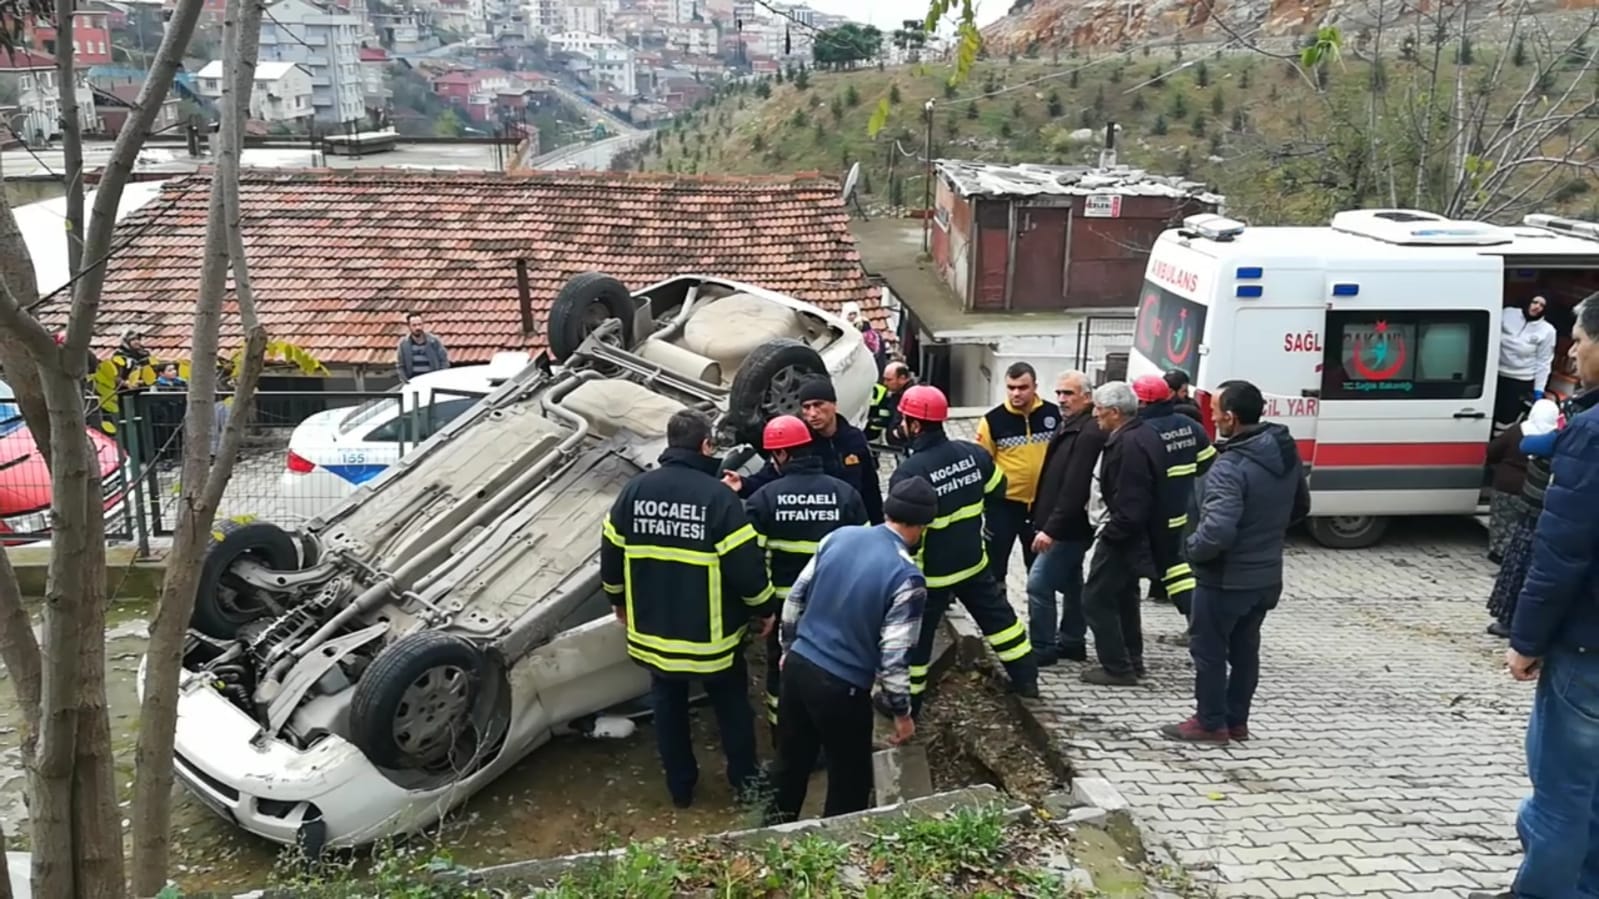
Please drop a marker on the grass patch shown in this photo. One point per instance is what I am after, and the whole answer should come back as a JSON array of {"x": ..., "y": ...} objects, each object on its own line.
[{"x": 969, "y": 853}]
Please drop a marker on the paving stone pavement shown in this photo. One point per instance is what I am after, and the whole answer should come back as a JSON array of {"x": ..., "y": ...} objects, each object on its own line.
[{"x": 1387, "y": 755}]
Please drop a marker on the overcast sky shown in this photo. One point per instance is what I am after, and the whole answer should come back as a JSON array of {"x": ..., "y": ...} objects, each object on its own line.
[{"x": 887, "y": 14}]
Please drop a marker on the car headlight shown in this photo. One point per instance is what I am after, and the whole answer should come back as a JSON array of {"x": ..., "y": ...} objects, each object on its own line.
[{"x": 31, "y": 523}]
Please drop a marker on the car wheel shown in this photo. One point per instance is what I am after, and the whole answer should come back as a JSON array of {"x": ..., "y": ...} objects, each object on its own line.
[
  {"x": 416, "y": 706},
  {"x": 1347, "y": 531},
  {"x": 223, "y": 602},
  {"x": 586, "y": 302},
  {"x": 768, "y": 384}
]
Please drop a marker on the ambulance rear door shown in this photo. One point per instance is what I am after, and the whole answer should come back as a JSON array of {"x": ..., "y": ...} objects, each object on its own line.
[{"x": 1405, "y": 399}]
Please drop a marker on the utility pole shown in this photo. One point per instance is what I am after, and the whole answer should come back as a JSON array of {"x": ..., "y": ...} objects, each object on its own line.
[{"x": 927, "y": 183}]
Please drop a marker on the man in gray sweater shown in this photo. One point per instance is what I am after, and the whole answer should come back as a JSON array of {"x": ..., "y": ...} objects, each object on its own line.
[
  {"x": 1254, "y": 490},
  {"x": 420, "y": 352}
]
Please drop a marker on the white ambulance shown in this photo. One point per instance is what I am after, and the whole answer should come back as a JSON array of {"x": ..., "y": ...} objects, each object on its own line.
[{"x": 1375, "y": 340}]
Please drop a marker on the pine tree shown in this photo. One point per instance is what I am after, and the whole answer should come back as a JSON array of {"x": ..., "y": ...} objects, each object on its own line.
[
  {"x": 1160, "y": 127},
  {"x": 893, "y": 94},
  {"x": 1202, "y": 74},
  {"x": 802, "y": 79},
  {"x": 1518, "y": 53},
  {"x": 1218, "y": 105},
  {"x": 1179, "y": 106},
  {"x": 1138, "y": 103},
  {"x": 971, "y": 110},
  {"x": 1071, "y": 80},
  {"x": 1243, "y": 80},
  {"x": 1197, "y": 127},
  {"x": 1238, "y": 120},
  {"x": 1055, "y": 106},
  {"x": 852, "y": 97}
]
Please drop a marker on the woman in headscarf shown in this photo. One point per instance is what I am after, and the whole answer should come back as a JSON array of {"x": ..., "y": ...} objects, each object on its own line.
[
  {"x": 1526, "y": 355},
  {"x": 1522, "y": 513}
]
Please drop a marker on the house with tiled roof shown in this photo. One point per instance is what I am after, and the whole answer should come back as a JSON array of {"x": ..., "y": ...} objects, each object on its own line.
[
  {"x": 338, "y": 257},
  {"x": 29, "y": 78}
]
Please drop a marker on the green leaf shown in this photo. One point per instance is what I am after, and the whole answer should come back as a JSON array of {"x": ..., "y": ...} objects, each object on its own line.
[{"x": 879, "y": 118}]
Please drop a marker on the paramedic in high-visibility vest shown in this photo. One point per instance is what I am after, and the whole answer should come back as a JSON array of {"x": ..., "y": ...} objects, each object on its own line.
[
  {"x": 1017, "y": 434},
  {"x": 685, "y": 573},
  {"x": 1188, "y": 456},
  {"x": 791, "y": 515},
  {"x": 954, "y": 555}
]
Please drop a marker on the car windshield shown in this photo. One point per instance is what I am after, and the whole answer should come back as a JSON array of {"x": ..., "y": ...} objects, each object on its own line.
[
  {"x": 10, "y": 413},
  {"x": 369, "y": 411}
]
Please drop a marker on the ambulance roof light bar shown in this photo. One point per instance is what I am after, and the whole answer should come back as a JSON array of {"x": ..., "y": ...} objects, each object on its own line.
[
  {"x": 1573, "y": 227},
  {"x": 1211, "y": 226}
]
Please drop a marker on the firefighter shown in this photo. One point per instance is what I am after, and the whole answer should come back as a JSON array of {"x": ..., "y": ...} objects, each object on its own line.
[
  {"x": 685, "y": 574},
  {"x": 791, "y": 515},
  {"x": 843, "y": 448},
  {"x": 1188, "y": 455},
  {"x": 883, "y": 418},
  {"x": 954, "y": 556}
]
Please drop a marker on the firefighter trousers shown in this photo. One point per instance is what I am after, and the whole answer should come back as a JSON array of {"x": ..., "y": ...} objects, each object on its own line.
[{"x": 1006, "y": 634}]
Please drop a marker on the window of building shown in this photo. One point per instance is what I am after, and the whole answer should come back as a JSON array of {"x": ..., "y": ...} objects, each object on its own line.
[{"x": 1405, "y": 355}]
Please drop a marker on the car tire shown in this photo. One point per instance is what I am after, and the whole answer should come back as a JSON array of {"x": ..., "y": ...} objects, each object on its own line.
[
  {"x": 586, "y": 302},
  {"x": 1347, "y": 531},
  {"x": 220, "y": 607},
  {"x": 416, "y": 706},
  {"x": 767, "y": 385}
]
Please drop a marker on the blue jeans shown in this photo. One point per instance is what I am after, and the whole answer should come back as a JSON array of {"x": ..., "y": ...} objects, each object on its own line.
[
  {"x": 1559, "y": 823},
  {"x": 1058, "y": 570}
]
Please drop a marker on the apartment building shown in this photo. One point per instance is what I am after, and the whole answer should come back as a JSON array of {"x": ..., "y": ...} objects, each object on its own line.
[
  {"x": 30, "y": 76},
  {"x": 325, "y": 41},
  {"x": 282, "y": 94}
]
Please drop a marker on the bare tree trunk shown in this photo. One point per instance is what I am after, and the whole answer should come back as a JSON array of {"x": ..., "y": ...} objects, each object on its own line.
[
  {"x": 5, "y": 869},
  {"x": 19, "y": 650},
  {"x": 202, "y": 492},
  {"x": 71, "y": 132}
]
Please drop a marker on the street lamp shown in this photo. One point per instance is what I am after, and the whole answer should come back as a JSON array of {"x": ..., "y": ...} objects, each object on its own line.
[{"x": 927, "y": 181}]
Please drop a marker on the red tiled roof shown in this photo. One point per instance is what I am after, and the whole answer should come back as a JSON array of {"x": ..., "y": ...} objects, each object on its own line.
[
  {"x": 373, "y": 54},
  {"x": 338, "y": 257}
]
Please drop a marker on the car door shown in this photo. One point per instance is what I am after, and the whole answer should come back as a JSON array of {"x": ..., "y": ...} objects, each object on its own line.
[{"x": 1403, "y": 421}]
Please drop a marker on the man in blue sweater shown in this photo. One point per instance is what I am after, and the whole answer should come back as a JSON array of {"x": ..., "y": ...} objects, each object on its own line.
[
  {"x": 1554, "y": 640},
  {"x": 851, "y": 619}
]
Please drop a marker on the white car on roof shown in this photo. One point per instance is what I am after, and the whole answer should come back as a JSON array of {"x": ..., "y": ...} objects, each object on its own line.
[
  {"x": 333, "y": 453},
  {"x": 358, "y": 677}
]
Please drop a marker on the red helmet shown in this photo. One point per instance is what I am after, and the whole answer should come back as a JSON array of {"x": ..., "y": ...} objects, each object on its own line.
[
  {"x": 924, "y": 403},
  {"x": 1151, "y": 389},
  {"x": 785, "y": 432}
]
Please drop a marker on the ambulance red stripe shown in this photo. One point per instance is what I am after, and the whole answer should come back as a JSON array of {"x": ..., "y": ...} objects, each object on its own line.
[{"x": 1393, "y": 455}]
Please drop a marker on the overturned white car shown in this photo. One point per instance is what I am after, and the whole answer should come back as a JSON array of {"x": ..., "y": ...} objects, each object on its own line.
[{"x": 361, "y": 676}]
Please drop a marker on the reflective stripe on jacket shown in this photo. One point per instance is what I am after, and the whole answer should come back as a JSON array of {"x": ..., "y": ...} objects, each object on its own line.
[
  {"x": 967, "y": 480},
  {"x": 1018, "y": 442},
  {"x": 792, "y": 514},
  {"x": 680, "y": 556},
  {"x": 1189, "y": 454}
]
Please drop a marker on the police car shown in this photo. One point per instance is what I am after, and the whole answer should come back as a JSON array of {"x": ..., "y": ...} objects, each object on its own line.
[{"x": 334, "y": 452}]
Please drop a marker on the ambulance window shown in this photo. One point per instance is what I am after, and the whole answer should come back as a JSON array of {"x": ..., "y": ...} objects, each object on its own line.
[
  {"x": 1169, "y": 330},
  {"x": 1405, "y": 355}
]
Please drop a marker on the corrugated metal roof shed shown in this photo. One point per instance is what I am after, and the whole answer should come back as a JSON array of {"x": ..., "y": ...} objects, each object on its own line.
[{"x": 990, "y": 179}]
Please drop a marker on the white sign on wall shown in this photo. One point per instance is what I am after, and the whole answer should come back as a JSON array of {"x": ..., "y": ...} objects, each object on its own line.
[{"x": 1102, "y": 206}]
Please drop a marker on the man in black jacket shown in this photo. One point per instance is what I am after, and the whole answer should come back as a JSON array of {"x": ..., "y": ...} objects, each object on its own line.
[
  {"x": 791, "y": 515},
  {"x": 1182, "y": 397},
  {"x": 1060, "y": 514},
  {"x": 1130, "y": 543},
  {"x": 686, "y": 576},
  {"x": 842, "y": 446},
  {"x": 1254, "y": 491}
]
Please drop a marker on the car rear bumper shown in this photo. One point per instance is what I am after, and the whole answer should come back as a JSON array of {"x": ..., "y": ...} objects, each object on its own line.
[{"x": 305, "y": 496}]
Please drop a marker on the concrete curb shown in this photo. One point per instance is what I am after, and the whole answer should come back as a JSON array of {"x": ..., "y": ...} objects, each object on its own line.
[
  {"x": 845, "y": 827},
  {"x": 127, "y": 576}
]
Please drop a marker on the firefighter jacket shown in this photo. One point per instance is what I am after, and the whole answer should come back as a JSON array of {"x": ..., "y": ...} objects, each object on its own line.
[
  {"x": 792, "y": 514},
  {"x": 967, "y": 481},
  {"x": 845, "y": 456},
  {"x": 1018, "y": 440},
  {"x": 680, "y": 556},
  {"x": 1188, "y": 455},
  {"x": 880, "y": 417}
]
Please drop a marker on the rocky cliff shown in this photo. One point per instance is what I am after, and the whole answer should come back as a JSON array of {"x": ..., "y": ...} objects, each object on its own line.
[{"x": 1102, "y": 23}]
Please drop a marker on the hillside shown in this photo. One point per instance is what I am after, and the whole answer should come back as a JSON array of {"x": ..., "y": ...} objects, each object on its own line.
[
  {"x": 1283, "y": 144},
  {"x": 1108, "y": 23}
]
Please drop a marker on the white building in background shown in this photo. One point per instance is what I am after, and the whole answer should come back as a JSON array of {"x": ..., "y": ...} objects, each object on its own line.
[
  {"x": 30, "y": 76},
  {"x": 326, "y": 42},
  {"x": 614, "y": 68},
  {"x": 585, "y": 17},
  {"x": 694, "y": 38},
  {"x": 682, "y": 10},
  {"x": 282, "y": 93}
]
